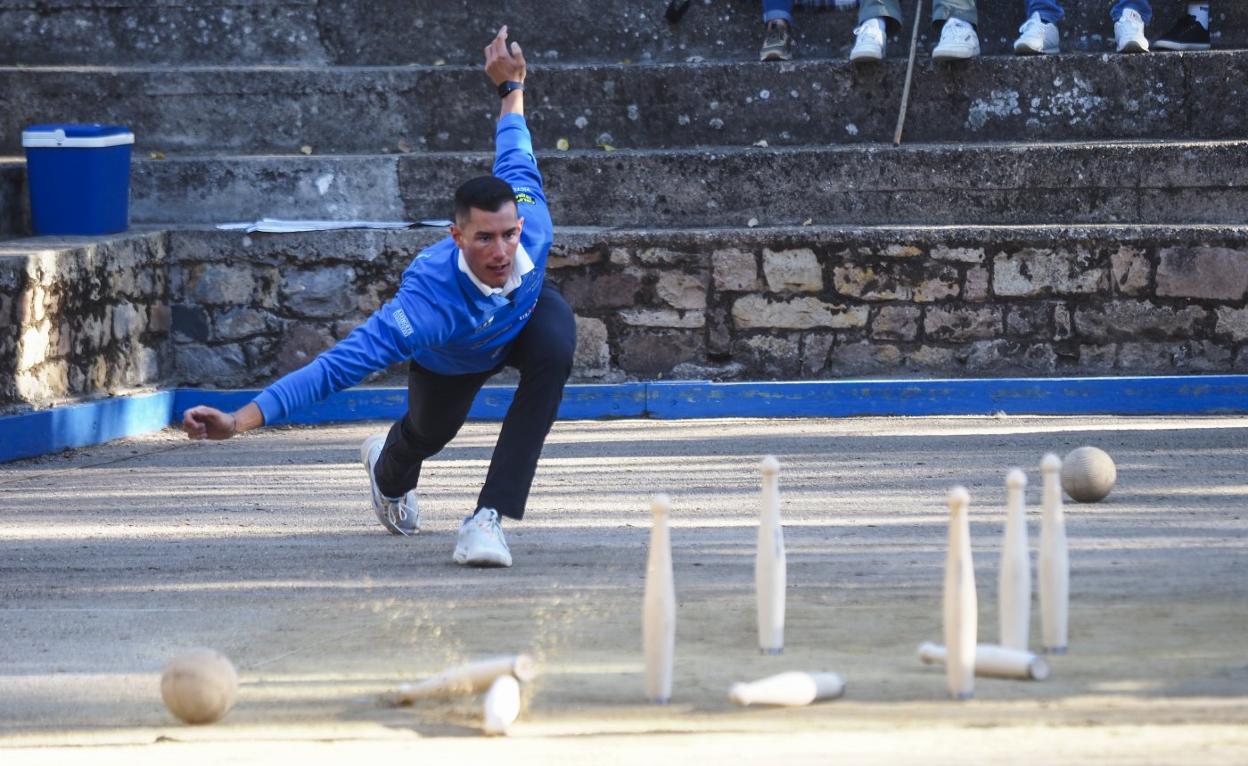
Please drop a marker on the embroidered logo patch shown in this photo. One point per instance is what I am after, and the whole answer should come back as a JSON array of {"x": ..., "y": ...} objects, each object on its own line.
[{"x": 400, "y": 320}]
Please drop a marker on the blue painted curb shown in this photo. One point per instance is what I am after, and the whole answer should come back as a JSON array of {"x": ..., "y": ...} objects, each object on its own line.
[{"x": 80, "y": 425}]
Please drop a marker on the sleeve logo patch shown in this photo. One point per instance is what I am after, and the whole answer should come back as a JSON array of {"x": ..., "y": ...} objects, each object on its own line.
[
  {"x": 524, "y": 198},
  {"x": 400, "y": 319}
]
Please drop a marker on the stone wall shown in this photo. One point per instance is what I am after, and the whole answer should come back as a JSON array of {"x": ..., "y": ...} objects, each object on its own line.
[
  {"x": 78, "y": 320},
  {"x": 802, "y": 304}
]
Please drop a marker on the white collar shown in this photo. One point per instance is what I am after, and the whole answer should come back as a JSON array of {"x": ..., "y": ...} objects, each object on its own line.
[{"x": 522, "y": 264}]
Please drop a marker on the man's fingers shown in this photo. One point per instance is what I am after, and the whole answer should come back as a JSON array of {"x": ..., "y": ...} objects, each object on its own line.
[{"x": 517, "y": 53}]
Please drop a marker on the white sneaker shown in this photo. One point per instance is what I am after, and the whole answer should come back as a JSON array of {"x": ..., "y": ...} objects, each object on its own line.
[
  {"x": 481, "y": 542},
  {"x": 1037, "y": 36},
  {"x": 1129, "y": 31},
  {"x": 957, "y": 41},
  {"x": 870, "y": 44},
  {"x": 399, "y": 516}
]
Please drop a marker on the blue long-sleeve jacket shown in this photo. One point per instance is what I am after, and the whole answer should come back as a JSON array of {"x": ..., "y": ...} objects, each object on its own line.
[{"x": 438, "y": 318}]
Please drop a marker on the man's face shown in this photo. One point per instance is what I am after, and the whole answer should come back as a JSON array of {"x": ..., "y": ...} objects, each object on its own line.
[{"x": 489, "y": 242}]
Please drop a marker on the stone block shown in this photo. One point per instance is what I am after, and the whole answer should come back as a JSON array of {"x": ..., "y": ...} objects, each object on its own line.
[
  {"x": 1137, "y": 320},
  {"x": 1028, "y": 320},
  {"x": 756, "y": 311},
  {"x": 959, "y": 324},
  {"x": 933, "y": 358},
  {"x": 864, "y": 356},
  {"x": 1232, "y": 323},
  {"x": 127, "y": 321},
  {"x": 326, "y": 293},
  {"x": 606, "y": 291},
  {"x": 869, "y": 283},
  {"x": 975, "y": 286},
  {"x": 1202, "y": 356},
  {"x": 221, "y": 284},
  {"x": 200, "y": 365},
  {"x": 1210, "y": 273},
  {"x": 1033, "y": 272},
  {"x": 661, "y": 256},
  {"x": 815, "y": 348},
  {"x": 301, "y": 345},
  {"x": 718, "y": 333},
  {"x": 792, "y": 271},
  {"x": 159, "y": 318},
  {"x": 958, "y": 254},
  {"x": 1131, "y": 271},
  {"x": 1063, "y": 323},
  {"x": 1145, "y": 357},
  {"x": 682, "y": 291},
  {"x": 190, "y": 323},
  {"x": 776, "y": 356},
  {"x": 35, "y": 344},
  {"x": 565, "y": 258},
  {"x": 653, "y": 352},
  {"x": 1097, "y": 357},
  {"x": 593, "y": 354},
  {"x": 937, "y": 285},
  {"x": 663, "y": 318},
  {"x": 734, "y": 270},
  {"x": 1006, "y": 355},
  {"x": 240, "y": 323},
  {"x": 896, "y": 323}
]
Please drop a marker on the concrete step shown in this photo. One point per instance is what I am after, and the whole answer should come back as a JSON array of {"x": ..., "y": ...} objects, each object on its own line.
[
  {"x": 403, "y": 32},
  {"x": 370, "y": 110},
  {"x": 991, "y": 183}
]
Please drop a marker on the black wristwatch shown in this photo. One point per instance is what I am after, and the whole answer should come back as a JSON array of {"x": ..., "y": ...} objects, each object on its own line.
[{"x": 508, "y": 86}]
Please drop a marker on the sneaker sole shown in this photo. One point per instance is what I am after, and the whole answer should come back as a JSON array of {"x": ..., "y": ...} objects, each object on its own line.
[
  {"x": 1027, "y": 50},
  {"x": 953, "y": 56},
  {"x": 1167, "y": 45},
  {"x": 774, "y": 56},
  {"x": 866, "y": 58},
  {"x": 461, "y": 557},
  {"x": 1134, "y": 47}
]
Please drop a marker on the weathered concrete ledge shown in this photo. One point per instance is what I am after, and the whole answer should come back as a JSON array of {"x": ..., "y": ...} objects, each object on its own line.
[
  {"x": 784, "y": 304},
  {"x": 13, "y": 199},
  {"x": 81, "y": 317},
  {"x": 218, "y": 309},
  {"x": 402, "y": 32},
  {"x": 405, "y": 109},
  {"x": 1169, "y": 182}
]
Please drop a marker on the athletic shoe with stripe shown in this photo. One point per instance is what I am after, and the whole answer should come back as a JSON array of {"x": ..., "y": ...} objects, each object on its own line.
[
  {"x": 400, "y": 516},
  {"x": 481, "y": 542}
]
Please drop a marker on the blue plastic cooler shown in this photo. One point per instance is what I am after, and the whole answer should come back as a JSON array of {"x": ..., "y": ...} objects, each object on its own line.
[{"x": 79, "y": 178}]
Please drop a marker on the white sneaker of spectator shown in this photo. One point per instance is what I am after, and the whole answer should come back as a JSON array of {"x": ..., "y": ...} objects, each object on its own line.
[
  {"x": 870, "y": 44},
  {"x": 957, "y": 41},
  {"x": 481, "y": 542},
  {"x": 1129, "y": 31},
  {"x": 1037, "y": 36}
]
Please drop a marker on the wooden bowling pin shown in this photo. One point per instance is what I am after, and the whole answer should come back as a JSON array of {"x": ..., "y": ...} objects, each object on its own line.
[
  {"x": 794, "y": 688},
  {"x": 770, "y": 576},
  {"x": 501, "y": 706},
  {"x": 960, "y": 606},
  {"x": 470, "y": 678},
  {"x": 1054, "y": 560},
  {"x": 659, "y": 608},
  {"x": 1014, "y": 578},
  {"x": 993, "y": 661}
]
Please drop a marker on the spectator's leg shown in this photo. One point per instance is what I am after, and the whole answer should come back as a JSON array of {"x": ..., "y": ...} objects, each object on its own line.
[
  {"x": 778, "y": 45},
  {"x": 1190, "y": 32},
  {"x": 943, "y": 10},
  {"x": 1139, "y": 6},
  {"x": 888, "y": 10},
  {"x": 543, "y": 354},
  {"x": 778, "y": 10},
  {"x": 1050, "y": 10},
  {"x": 437, "y": 406}
]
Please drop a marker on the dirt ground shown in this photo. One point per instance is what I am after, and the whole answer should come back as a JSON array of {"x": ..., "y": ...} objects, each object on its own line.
[{"x": 115, "y": 558}]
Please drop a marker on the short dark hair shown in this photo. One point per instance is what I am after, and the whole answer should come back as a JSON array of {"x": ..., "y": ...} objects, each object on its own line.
[{"x": 488, "y": 193}]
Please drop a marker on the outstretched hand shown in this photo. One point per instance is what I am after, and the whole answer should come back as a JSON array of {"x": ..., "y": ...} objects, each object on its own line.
[
  {"x": 504, "y": 63},
  {"x": 208, "y": 423}
]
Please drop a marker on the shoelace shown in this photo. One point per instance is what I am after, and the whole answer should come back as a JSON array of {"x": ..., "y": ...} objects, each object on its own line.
[
  {"x": 396, "y": 511},
  {"x": 489, "y": 523},
  {"x": 869, "y": 27}
]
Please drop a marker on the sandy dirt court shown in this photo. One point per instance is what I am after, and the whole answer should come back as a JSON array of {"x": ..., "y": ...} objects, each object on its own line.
[{"x": 115, "y": 558}]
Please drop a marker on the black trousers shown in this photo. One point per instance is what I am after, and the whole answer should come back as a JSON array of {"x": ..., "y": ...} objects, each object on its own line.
[{"x": 437, "y": 406}]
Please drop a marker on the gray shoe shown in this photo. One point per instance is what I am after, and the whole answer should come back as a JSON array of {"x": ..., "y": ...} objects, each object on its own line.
[
  {"x": 779, "y": 43},
  {"x": 400, "y": 516}
]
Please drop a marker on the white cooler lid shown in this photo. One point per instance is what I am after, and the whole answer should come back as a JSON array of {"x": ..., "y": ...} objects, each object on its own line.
[{"x": 92, "y": 136}]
